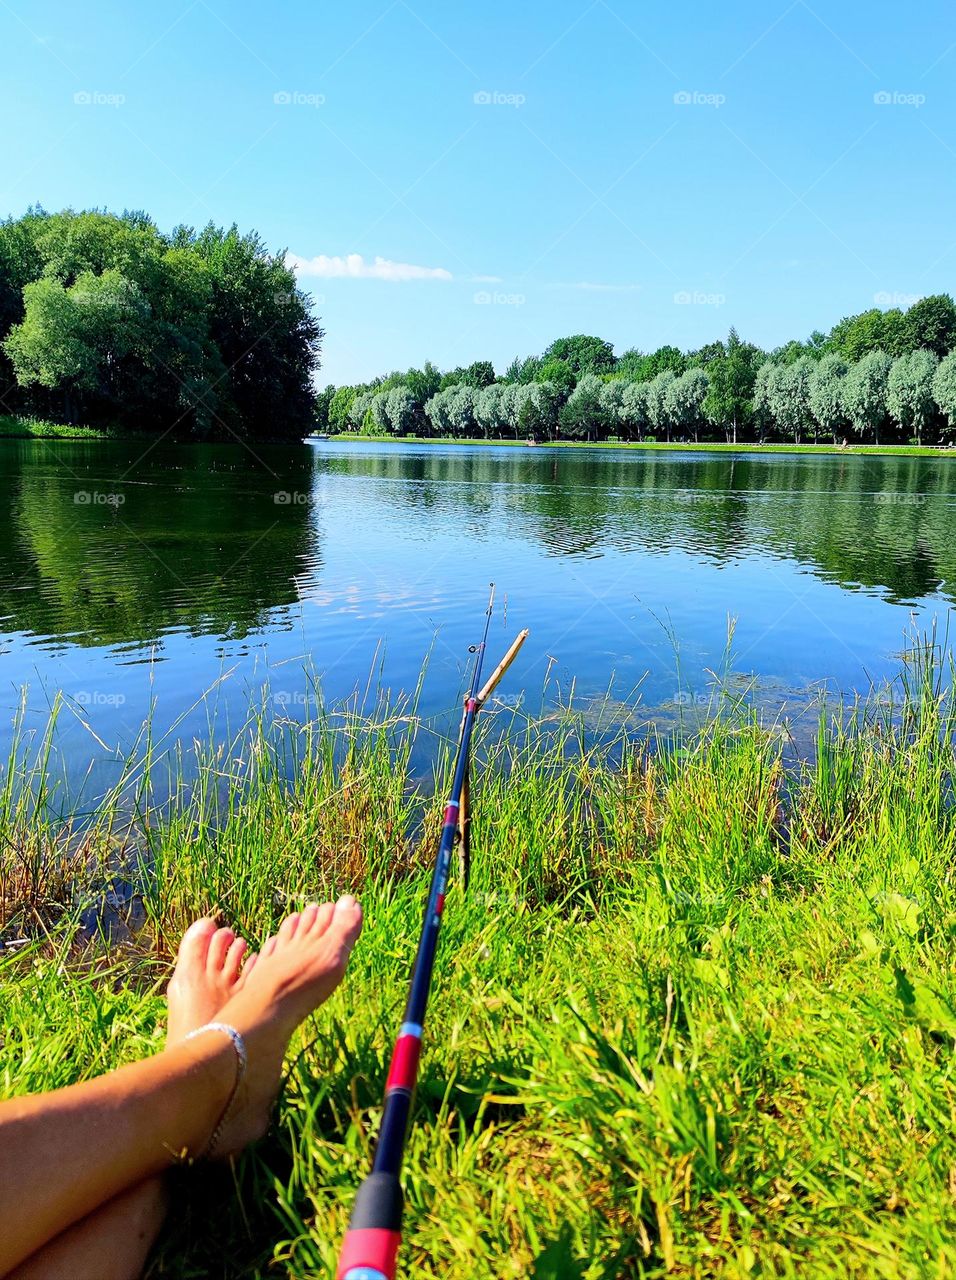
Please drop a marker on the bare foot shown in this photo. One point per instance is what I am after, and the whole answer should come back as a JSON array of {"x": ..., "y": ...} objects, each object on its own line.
[
  {"x": 294, "y": 973},
  {"x": 206, "y": 974}
]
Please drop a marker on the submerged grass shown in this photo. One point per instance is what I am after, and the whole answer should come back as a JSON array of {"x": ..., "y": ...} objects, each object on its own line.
[{"x": 694, "y": 1017}]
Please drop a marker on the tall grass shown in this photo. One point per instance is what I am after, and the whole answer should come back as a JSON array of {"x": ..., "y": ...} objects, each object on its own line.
[
  {"x": 695, "y": 1016},
  {"x": 20, "y": 428}
]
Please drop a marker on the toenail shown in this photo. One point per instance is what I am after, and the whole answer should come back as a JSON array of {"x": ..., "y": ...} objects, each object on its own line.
[{"x": 346, "y": 900}]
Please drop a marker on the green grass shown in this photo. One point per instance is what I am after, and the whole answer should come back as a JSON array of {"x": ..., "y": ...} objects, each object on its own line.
[
  {"x": 889, "y": 450},
  {"x": 694, "y": 1017},
  {"x": 17, "y": 428}
]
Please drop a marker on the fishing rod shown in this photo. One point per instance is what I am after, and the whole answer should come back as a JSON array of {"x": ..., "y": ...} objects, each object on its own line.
[{"x": 370, "y": 1248}]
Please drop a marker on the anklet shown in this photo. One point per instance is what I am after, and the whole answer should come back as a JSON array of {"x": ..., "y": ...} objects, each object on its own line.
[{"x": 242, "y": 1059}]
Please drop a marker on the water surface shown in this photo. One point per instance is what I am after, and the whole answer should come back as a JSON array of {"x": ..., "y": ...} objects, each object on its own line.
[{"x": 135, "y": 577}]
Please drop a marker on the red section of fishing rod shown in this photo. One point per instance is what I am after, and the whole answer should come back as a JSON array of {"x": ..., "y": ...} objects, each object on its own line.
[{"x": 370, "y": 1248}]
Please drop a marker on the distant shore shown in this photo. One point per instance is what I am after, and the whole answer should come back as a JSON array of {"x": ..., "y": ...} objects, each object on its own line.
[
  {"x": 15, "y": 428},
  {"x": 889, "y": 450}
]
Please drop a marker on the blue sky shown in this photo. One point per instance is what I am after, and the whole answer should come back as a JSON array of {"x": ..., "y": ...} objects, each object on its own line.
[{"x": 651, "y": 173}]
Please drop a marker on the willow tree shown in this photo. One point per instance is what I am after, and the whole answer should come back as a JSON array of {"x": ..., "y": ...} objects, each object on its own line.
[
  {"x": 635, "y": 415},
  {"x": 865, "y": 391},
  {"x": 909, "y": 392},
  {"x": 488, "y": 408},
  {"x": 402, "y": 410},
  {"x": 510, "y": 407},
  {"x": 657, "y": 407},
  {"x": 436, "y": 411},
  {"x": 539, "y": 404},
  {"x": 611, "y": 397},
  {"x": 944, "y": 388},
  {"x": 461, "y": 408},
  {"x": 788, "y": 391},
  {"x": 684, "y": 400},
  {"x": 760, "y": 410},
  {"x": 379, "y": 412},
  {"x": 826, "y": 393},
  {"x": 360, "y": 407}
]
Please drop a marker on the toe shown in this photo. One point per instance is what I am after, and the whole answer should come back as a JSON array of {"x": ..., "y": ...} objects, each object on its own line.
[
  {"x": 307, "y": 919},
  {"x": 219, "y": 945},
  {"x": 288, "y": 927},
  {"x": 233, "y": 960},
  {"x": 323, "y": 918},
  {"x": 347, "y": 918},
  {"x": 195, "y": 943},
  {"x": 268, "y": 947},
  {"x": 248, "y": 967}
]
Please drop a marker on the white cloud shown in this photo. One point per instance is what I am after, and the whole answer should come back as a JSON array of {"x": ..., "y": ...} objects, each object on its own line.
[{"x": 354, "y": 267}]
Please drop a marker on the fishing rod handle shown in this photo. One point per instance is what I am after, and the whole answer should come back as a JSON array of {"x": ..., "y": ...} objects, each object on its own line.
[
  {"x": 370, "y": 1247},
  {"x": 494, "y": 679}
]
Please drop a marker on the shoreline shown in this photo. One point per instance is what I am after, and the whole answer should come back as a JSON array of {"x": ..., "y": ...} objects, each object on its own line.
[
  {"x": 867, "y": 450},
  {"x": 15, "y": 428}
]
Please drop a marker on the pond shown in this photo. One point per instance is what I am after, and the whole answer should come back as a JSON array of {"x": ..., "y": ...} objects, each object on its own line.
[{"x": 136, "y": 578}]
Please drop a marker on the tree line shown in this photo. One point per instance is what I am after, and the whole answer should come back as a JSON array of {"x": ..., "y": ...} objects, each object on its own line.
[
  {"x": 106, "y": 321},
  {"x": 881, "y": 376}
]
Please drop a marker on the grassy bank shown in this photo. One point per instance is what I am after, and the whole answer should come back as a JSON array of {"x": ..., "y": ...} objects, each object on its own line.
[
  {"x": 17, "y": 428},
  {"x": 695, "y": 1016},
  {"x": 888, "y": 450},
  {"x": 14, "y": 428}
]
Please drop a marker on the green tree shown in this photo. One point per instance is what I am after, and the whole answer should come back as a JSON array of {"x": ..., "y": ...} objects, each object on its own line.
[
  {"x": 582, "y": 417},
  {"x": 323, "y": 400},
  {"x": 520, "y": 371},
  {"x": 78, "y": 339},
  {"x": 539, "y": 405},
  {"x": 826, "y": 394},
  {"x": 612, "y": 404},
  {"x": 684, "y": 400},
  {"x": 264, "y": 332},
  {"x": 359, "y": 409},
  {"x": 403, "y": 410},
  {"x": 634, "y": 412},
  {"x": 909, "y": 392},
  {"x": 865, "y": 393},
  {"x": 479, "y": 374},
  {"x": 666, "y": 358},
  {"x": 789, "y": 396},
  {"x": 930, "y": 323},
  {"x": 510, "y": 407},
  {"x": 629, "y": 364},
  {"x": 190, "y": 334},
  {"x": 873, "y": 330},
  {"x": 488, "y": 413},
  {"x": 728, "y": 403},
  {"x": 20, "y": 264},
  {"x": 761, "y": 415},
  {"x": 658, "y": 406},
  {"x": 560, "y": 373},
  {"x": 583, "y": 353},
  {"x": 944, "y": 388},
  {"x": 340, "y": 408},
  {"x": 378, "y": 411}
]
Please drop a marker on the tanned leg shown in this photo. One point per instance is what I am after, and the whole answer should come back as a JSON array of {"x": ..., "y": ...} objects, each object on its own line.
[
  {"x": 67, "y": 1153},
  {"x": 113, "y": 1242}
]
